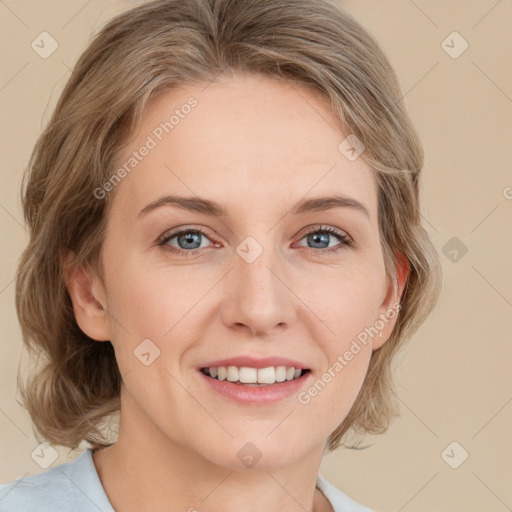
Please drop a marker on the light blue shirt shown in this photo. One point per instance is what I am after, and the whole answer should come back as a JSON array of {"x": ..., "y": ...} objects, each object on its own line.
[{"x": 75, "y": 487}]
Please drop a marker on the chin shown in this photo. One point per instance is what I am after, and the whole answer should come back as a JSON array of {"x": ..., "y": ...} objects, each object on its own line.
[{"x": 256, "y": 452}]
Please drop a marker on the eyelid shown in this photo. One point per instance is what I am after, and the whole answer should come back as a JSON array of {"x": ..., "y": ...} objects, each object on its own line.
[
  {"x": 171, "y": 233},
  {"x": 313, "y": 228},
  {"x": 345, "y": 240},
  {"x": 179, "y": 229}
]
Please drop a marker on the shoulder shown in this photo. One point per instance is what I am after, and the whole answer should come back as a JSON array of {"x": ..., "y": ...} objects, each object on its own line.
[
  {"x": 49, "y": 490},
  {"x": 339, "y": 500},
  {"x": 61, "y": 488}
]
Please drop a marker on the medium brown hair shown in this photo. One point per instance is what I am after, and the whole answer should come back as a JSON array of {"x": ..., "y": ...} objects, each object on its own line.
[{"x": 169, "y": 43}]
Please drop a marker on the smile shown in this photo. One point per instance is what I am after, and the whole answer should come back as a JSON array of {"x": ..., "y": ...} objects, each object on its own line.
[{"x": 249, "y": 376}]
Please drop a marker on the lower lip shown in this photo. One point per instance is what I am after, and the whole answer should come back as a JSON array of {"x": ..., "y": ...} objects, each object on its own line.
[{"x": 257, "y": 394}]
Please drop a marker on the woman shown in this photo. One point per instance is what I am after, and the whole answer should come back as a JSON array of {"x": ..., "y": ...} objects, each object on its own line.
[{"x": 227, "y": 250}]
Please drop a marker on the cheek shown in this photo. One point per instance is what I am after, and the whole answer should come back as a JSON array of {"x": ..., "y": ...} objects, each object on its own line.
[
  {"x": 348, "y": 310},
  {"x": 346, "y": 303},
  {"x": 332, "y": 393},
  {"x": 149, "y": 301}
]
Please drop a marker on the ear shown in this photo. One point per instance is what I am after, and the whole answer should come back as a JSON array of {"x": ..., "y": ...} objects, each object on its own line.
[
  {"x": 87, "y": 294},
  {"x": 390, "y": 308}
]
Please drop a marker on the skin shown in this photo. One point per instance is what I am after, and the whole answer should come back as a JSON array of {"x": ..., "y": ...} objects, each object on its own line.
[{"x": 256, "y": 146}]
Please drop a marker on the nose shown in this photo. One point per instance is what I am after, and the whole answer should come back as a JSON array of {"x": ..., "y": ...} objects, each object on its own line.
[{"x": 257, "y": 297}]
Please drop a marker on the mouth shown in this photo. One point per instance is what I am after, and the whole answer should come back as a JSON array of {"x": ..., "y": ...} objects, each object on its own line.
[{"x": 255, "y": 377}]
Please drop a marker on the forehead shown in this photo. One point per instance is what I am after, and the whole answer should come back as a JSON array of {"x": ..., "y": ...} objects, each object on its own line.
[{"x": 247, "y": 141}]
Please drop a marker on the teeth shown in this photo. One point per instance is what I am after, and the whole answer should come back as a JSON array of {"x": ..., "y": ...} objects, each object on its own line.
[
  {"x": 232, "y": 374},
  {"x": 254, "y": 376},
  {"x": 248, "y": 375},
  {"x": 281, "y": 373},
  {"x": 266, "y": 375}
]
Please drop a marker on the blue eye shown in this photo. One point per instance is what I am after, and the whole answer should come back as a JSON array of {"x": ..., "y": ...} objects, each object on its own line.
[
  {"x": 189, "y": 240},
  {"x": 321, "y": 236}
]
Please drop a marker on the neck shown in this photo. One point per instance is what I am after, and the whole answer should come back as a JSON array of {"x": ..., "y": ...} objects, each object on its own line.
[{"x": 146, "y": 471}]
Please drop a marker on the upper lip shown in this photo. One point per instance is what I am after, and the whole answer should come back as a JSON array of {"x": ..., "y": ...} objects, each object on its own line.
[{"x": 253, "y": 362}]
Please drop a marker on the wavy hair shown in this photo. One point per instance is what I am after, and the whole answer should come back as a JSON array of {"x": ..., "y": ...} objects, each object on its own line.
[{"x": 169, "y": 43}]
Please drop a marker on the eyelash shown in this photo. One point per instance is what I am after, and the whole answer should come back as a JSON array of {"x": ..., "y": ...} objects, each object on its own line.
[{"x": 345, "y": 240}]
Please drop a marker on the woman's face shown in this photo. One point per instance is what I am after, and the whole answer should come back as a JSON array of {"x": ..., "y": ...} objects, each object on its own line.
[{"x": 262, "y": 281}]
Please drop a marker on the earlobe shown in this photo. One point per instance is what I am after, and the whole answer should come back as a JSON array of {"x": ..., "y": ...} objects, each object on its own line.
[
  {"x": 389, "y": 311},
  {"x": 88, "y": 298}
]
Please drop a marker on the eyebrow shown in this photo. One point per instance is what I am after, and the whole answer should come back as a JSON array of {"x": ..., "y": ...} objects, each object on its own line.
[{"x": 207, "y": 207}]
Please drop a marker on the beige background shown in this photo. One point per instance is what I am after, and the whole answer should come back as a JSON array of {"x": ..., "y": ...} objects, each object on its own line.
[{"x": 453, "y": 379}]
